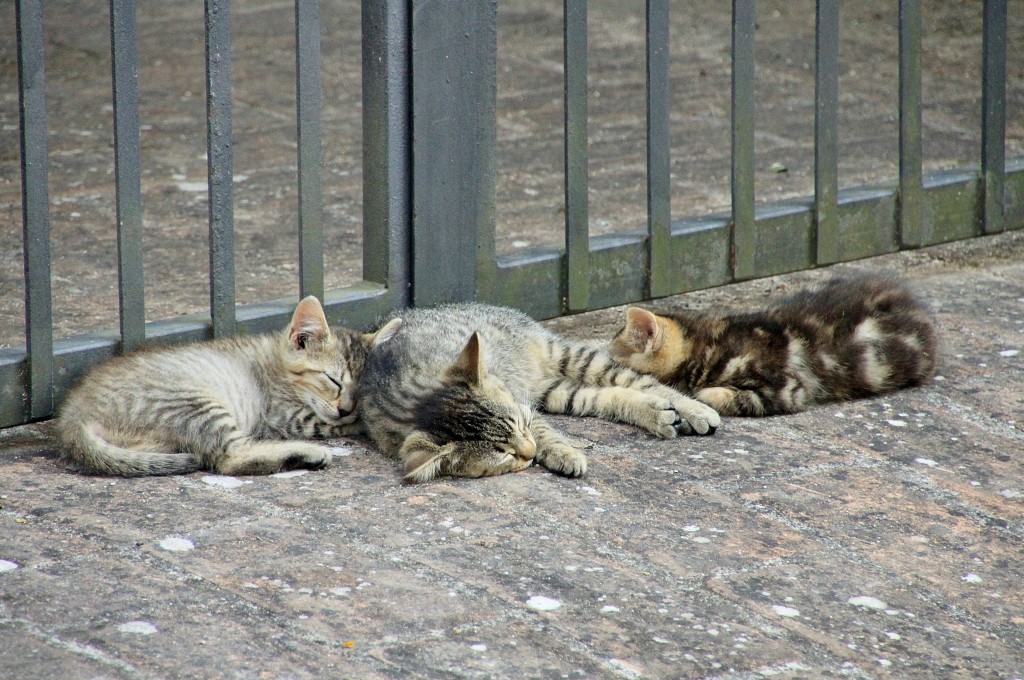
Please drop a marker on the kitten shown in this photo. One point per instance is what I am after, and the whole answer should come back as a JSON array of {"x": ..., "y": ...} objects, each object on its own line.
[
  {"x": 220, "y": 405},
  {"x": 852, "y": 337},
  {"x": 454, "y": 393}
]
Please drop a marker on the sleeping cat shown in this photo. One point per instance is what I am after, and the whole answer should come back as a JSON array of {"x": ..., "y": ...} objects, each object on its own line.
[
  {"x": 454, "y": 393},
  {"x": 852, "y": 337},
  {"x": 223, "y": 406}
]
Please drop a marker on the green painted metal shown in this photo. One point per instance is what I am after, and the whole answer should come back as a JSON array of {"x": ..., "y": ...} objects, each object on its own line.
[
  {"x": 37, "y": 377},
  {"x": 866, "y": 223},
  {"x": 127, "y": 172},
  {"x": 909, "y": 197},
  {"x": 618, "y": 272},
  {"x": 219, "y": 167},
  {"x": 659, "y": 168},
  {"x": 577, "y": 218},
  {"x": 993, "y": 114},
  {"x": 308, "y": 100},
  {"x": 454, "y": 45},
  {"x": 532, "y": 282},
  {"x": 784, "y": 238},
  {"x": 700, "y": 254},
  {"x": 744, "y": 248},
  {"x": 953, "y": 210},
  {"x": 387, "y": 137},
  {"x": 826, "y": 131}
]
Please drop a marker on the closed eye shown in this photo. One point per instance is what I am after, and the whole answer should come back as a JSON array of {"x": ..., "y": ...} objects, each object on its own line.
[{"x": 338, "y": 384}]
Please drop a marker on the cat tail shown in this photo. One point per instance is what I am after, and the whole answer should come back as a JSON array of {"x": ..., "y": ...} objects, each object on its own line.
[
  {"x": 87, "y": 450},
  {"x": 423, "y": 459}
]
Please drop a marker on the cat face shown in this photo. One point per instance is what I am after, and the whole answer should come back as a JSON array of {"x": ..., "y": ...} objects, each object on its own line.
[
  {"x": 472, "y": 426},
  {"x": 649, "y": 343},
  {"x": 324, "y": 366}
]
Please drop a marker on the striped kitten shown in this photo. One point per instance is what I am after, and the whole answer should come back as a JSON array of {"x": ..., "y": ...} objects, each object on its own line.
[
  {"x": 223, "y": 405},
  {"x": 454, "y": 393},
  {"x": 852, "y": 337}
]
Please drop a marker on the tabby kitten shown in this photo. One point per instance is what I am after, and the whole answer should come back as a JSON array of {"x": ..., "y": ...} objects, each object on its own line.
[
  {"x": 454, "y": 393},
  {"x": 852, "y": 337},
  {"x": 220, "y": 405}
]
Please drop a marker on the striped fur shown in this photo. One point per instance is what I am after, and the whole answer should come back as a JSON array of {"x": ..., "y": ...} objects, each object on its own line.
[
  {"x": 231, "y": 406},
  {"x": 852, "y": 337},
  {"x": 455, "y": 393}
]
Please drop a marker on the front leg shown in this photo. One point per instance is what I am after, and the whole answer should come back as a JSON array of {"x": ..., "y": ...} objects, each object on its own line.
[
  {"x": 348, "y": 429},
  {"x": 587, "y": 369},
  {"x": 246, "y": 456},
  {"x": 697, "y": 417},
  {"x": 555, "y": 452},
  {"x": 657, "y": 414},
  {"x": 213, "y": 435}
]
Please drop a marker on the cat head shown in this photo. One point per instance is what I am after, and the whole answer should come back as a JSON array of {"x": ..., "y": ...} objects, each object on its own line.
[
  {"x": 471, "y": 426},
  {"x": 323, "y": 366},
  {"x": 649, "y": 343}
]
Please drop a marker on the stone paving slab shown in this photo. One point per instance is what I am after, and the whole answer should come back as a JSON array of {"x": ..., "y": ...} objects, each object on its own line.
[
  {"x": 872, "y": 622},
  {"x": 873, "y": 539}
]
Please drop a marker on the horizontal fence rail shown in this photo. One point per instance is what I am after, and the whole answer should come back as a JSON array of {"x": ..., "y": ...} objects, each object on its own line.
[{"x": 429, "y": 143}]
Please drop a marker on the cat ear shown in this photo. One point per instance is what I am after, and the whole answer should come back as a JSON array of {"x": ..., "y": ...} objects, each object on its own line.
[
  {"x": 642, "y": 330},
  {"x": 385, "y": 333},
  {"x": 308, "y": 323},
  {"x": 470, "y": 364}
]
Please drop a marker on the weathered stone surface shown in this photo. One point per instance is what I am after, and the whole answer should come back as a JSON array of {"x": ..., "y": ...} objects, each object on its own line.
[{"x": 879, "y": 538}]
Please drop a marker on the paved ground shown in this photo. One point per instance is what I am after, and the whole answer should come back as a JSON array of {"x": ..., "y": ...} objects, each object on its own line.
[{"x": 875, "y": 539}]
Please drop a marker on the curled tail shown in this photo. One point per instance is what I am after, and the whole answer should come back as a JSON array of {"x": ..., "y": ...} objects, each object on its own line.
[{"x": 85, "y": 446}]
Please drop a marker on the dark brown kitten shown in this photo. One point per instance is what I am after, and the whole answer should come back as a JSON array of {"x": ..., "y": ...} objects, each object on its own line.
[{"x": 854, "y": 336}]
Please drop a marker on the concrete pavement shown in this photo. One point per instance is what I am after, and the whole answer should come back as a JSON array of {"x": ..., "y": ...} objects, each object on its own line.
[{"x": 873, "y": 539}]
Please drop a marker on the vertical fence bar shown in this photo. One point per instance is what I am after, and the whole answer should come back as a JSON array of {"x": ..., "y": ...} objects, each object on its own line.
[
  {"x": 454, "y": 46},
  {"x": 127, "y": 174},
  {"x": 219, "y": 164},
  {"x": 910, "y": 225},
  {"x": 577, "y": 219},
  {"x": 826, "y": 96},
  {"x": 659, "y": 185},
  {"x": 993, "y": 114},
  {"x": 35, "y": 205},
  {"x": 309, "y": 97},
  {"x": 387, "y": 172},
  {"x": 743, "y": 236}
]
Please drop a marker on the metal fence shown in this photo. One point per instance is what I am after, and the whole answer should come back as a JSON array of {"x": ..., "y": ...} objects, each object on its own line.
[{"x": 429, "y": 182}]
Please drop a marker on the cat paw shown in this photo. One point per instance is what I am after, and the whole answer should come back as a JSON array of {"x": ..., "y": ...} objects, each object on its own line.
[
  {"x": 660, "y": 418},
  {"x": 307, "y": 459},
  {"x": 349, "y": 429},
  {"x": 563, "y": 460},
  {"x": 695, "y": 417}
]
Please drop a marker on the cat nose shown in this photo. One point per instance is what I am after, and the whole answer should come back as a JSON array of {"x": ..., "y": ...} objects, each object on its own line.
[
  {"x": 527, "y": 449},
  {"x": 346, "y": 406}
]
